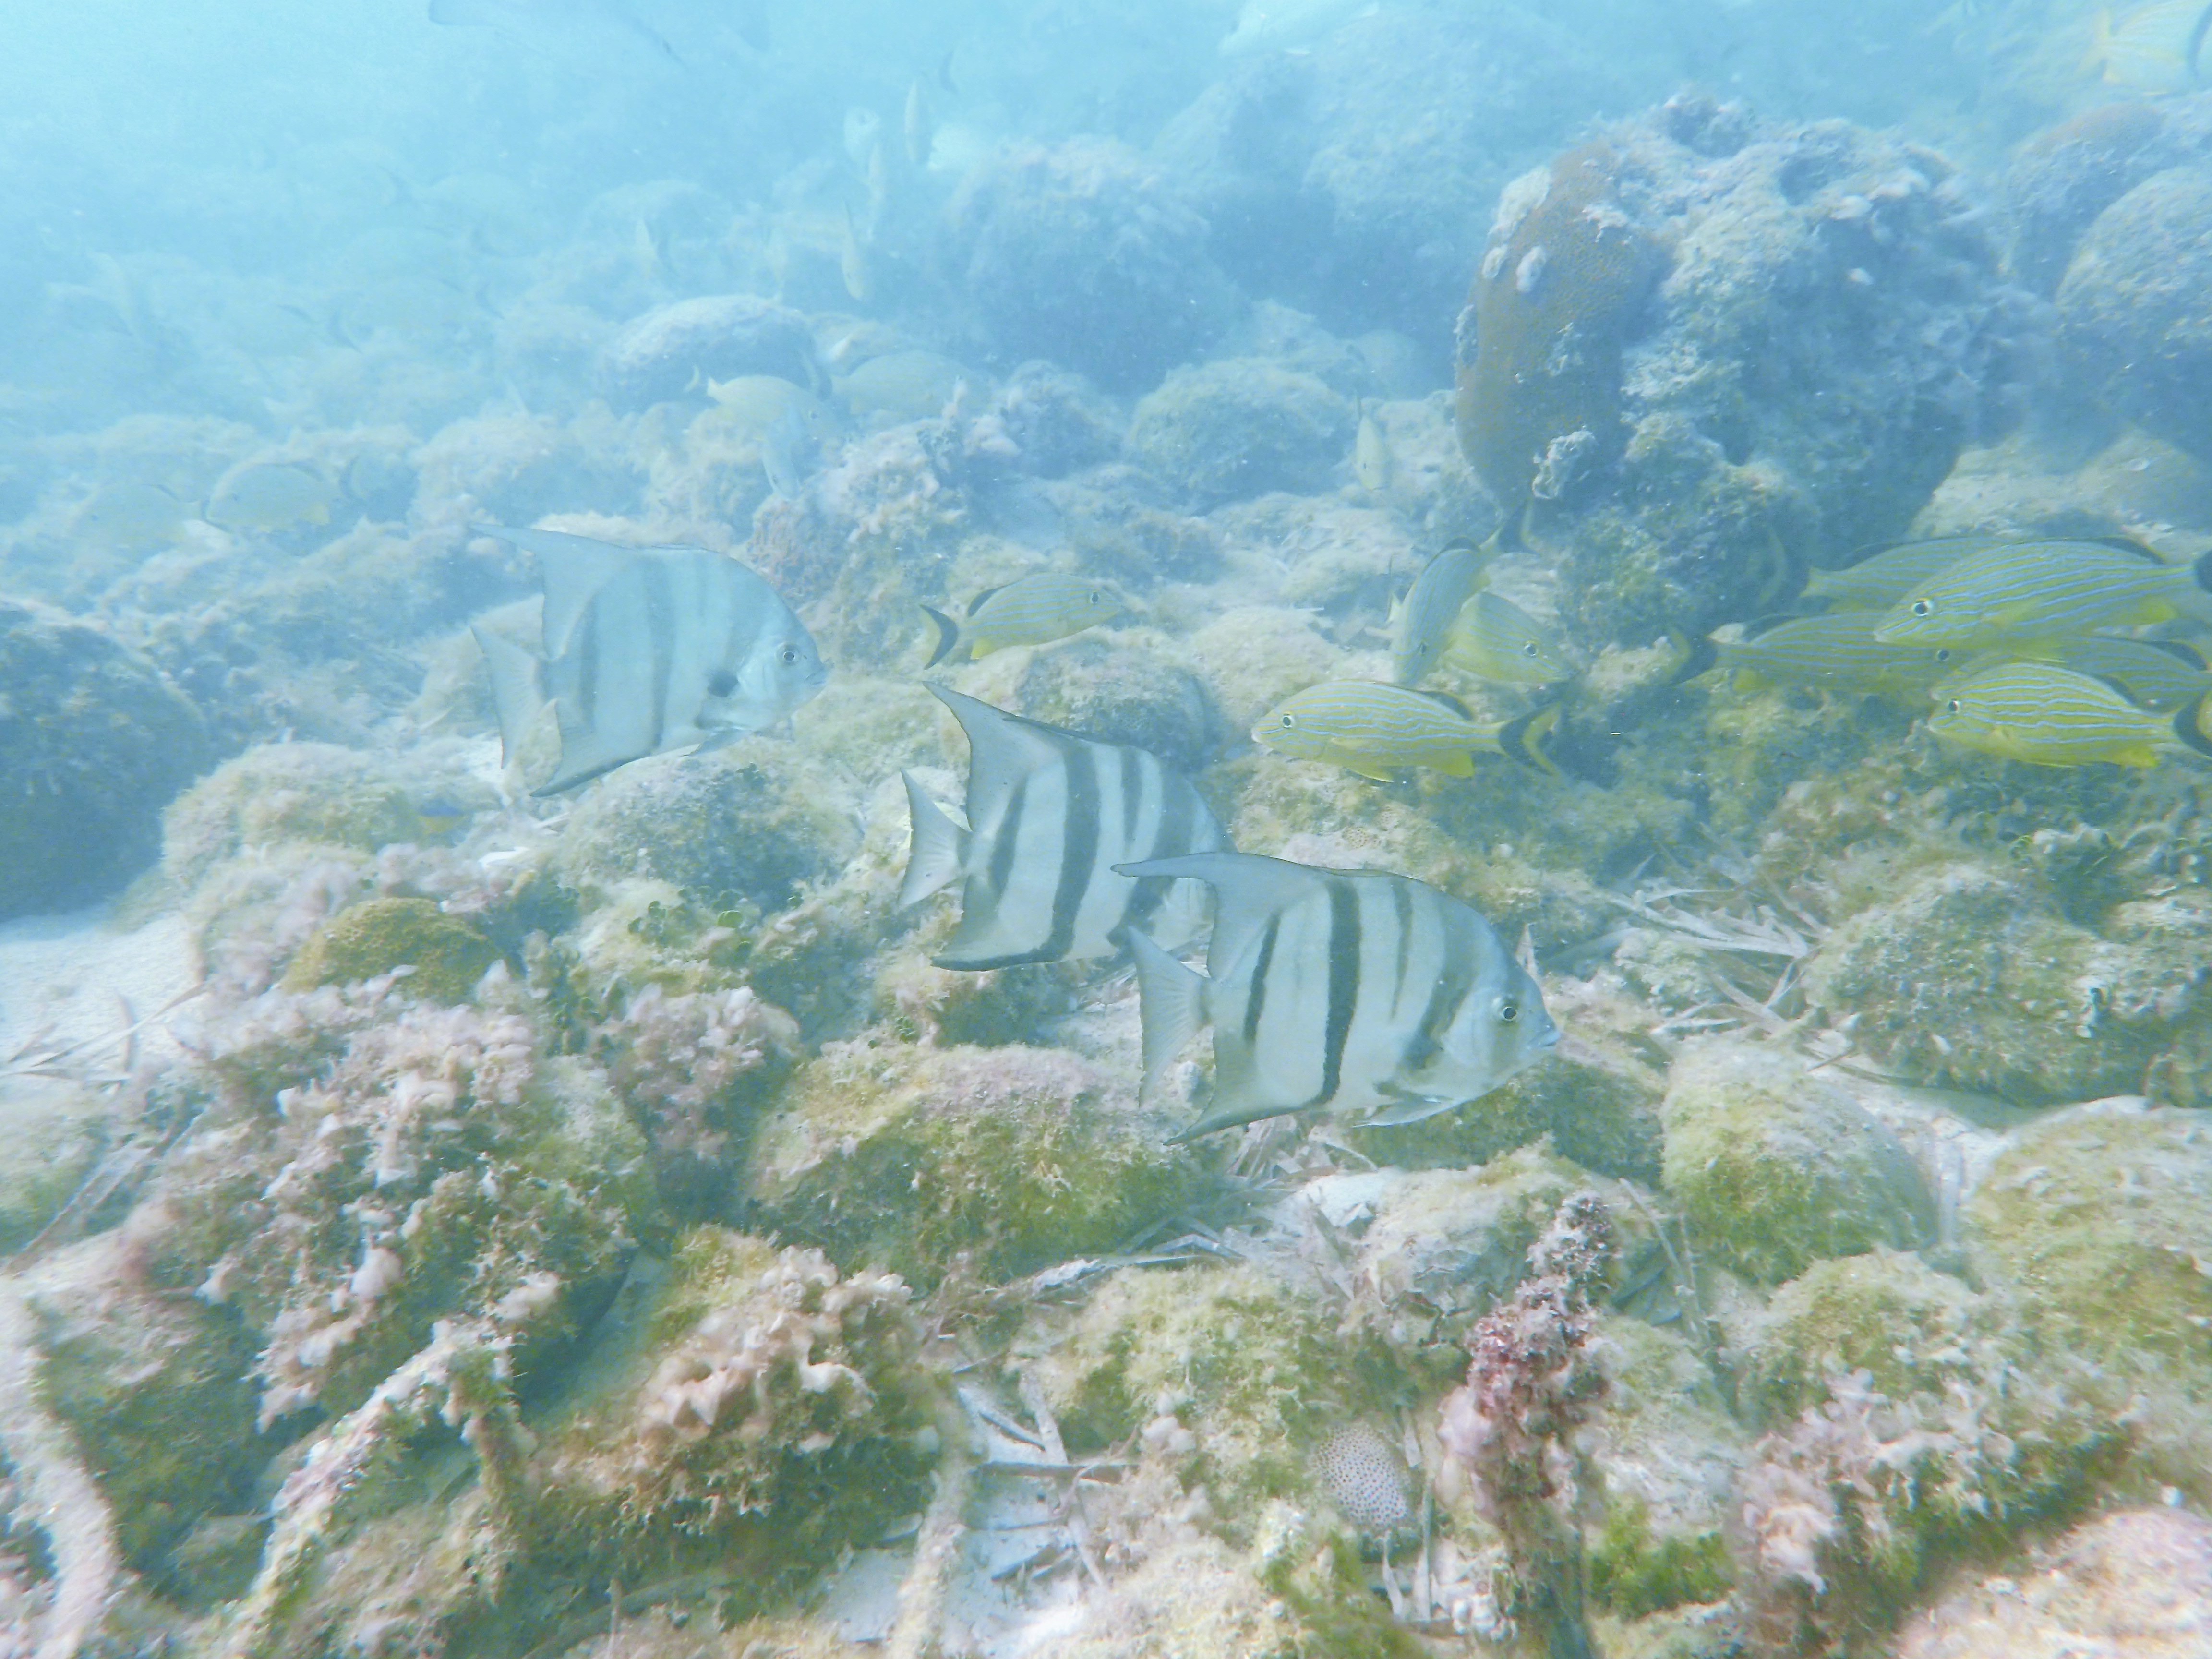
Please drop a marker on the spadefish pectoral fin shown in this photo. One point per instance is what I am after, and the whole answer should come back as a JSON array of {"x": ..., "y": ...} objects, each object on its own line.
[
  {"x": 1248, "y": 890},
  {"x": 1171, "y": 998},
  {"x": 1181, "y": 915},
  {"x": 1227, "y": 1117},
  {"x": 940, "y": 851},
  {"x": 1406, "y": 1108},
  {"x": 517, "y": 689}
]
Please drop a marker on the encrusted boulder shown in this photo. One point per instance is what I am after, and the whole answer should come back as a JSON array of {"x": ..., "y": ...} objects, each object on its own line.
[
  {"x": 673, "y": 351},
  {"x": 1228, "y": 430}
]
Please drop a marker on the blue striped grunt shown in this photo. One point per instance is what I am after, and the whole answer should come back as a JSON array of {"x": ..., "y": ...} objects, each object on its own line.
[
  {"x": 1494, "y": 639},
  {"x": 1421, "y": 622},
  {"x": 2045, "y": 590},
  {"x": 1837, "y": 651},
  {"x": 1886, "y": 575},
  {"x": 1350, "y": 991},
  {"x": 1031, "y": 609},
  {"x": 2161, "y": 675},
  {"x": 2051, "y": 716},
  {"x": 1376, "y": 730}
]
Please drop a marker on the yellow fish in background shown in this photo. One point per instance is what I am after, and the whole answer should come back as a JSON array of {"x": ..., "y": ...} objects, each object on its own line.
[
  {"x": 853, "y": 263},
  {"x": 1837, "y": 651},
  {"x": 1377, "y": 729},
  {"x": 1888, "y": 575},
  {"x": 268, "y": 497},
  {"x": 1032, "y": 610},
  {"x": 1421, "y": 622},
  {"x": 2049, "y": 716},
  {"x": 2161, "y": 675},
  {"x": 2159, "y": 47},
  {"x": 2046, "y": 590},
  {"x": 1372, "y": 463},
  {"x": 1494, "y": 639}
]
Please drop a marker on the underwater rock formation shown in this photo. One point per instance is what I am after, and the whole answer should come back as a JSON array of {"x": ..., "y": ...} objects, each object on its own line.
[
  {"x": 1124, "y": 694},
  {"x": 1082, "y": 254},
  {"x": 674, "y": 350},
  {"x": 1232, "y": 429},
  {"x": 2133, "y": 305},
  {"x": 94, "y": 743},
  {"x": 1776, "y": 1167},
  {"x": 1825, "y": 333},
  {"x": 439, "y": 958}
]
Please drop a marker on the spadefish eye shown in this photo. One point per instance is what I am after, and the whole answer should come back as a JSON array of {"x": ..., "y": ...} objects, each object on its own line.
[
  {"x": 722, "y": 684},
  {"x": 789, "y": 654},
  {"x": 1508, "y": 1011}
]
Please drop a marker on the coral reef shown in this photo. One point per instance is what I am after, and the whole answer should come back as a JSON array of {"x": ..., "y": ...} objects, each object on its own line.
[
  {"x": 673, "y": 351},
  {"x": 94, "y": 744}
]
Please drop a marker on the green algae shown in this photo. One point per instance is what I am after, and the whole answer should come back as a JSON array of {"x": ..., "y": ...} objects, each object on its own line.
[
  {"x": 1633, "y": 1574},
  {"x": 444, "y": 955}
]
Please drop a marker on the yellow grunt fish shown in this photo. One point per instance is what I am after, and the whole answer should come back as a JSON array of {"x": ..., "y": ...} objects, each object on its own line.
[
  {"x": 1371, "y": 460},
  {"x": 2051, "y": 716},
  {"x": 1421, "y": 622},
  {"x": 2045, "y": 590},
  {"x": 1888, "y": 574},
  {"x": 1032, "y": 610},
  {"x": 1376, "y": 730},
  {"x": 1837, "y": 651},
  {"x": 1494, "y": 639},
  {"x": 2161, "y": 675}
]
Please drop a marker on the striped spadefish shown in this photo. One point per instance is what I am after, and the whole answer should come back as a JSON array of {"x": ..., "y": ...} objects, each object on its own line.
[{"x": 1049, "y": 814}]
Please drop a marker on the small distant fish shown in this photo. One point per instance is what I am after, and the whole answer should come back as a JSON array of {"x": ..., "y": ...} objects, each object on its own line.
[
  {"x": 1371, "y": 461},
  {"x": 1888, "y": 575},
  {"x": 2161, "y": 675},
  {"x": 787, "y": 454},
  {"x": 1494, "y": 639},
  {"x": 442, "y": 816},
  {"x": 645, "y": 650},
  {"x": 1288, "y": 25},
  {"x": 1337, "y": 991},
  {"x": 2051, "y": 716},
  {"x": 862, "y": 128},
  {"x": 2046, "y": 590},
  {"x": 1377, "y": 729},
  {"x": 268, "y": 497},
  {"x": 2153, "y": 48},
  {"x": 1837, "y": 651},
  {"x": 1032, "y": 610},
  {"x": 920, "y": 126},
  {"x": 1420, "y": 626},
  {"x": 905, "y": 385},
  {"x": 133, "y": 515},
  {"x": 852, "y": 262},
  {"x": 1049, "y": 814}
]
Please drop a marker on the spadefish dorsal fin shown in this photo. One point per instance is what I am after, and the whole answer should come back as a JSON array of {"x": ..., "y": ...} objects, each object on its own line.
[
  {"x": 518, "y": 690},
  {"x": 571, "y": 568},
  {"x": 1003, "y": 748},
  {"x": 1248, "y": 890}
]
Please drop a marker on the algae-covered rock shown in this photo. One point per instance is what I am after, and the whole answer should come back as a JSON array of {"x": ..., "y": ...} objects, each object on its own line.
[
  {"x": 1248, "y": 1378},
  {"x": 2095, "y": 1217},
  {"x": 1230, "y": 430},
  {"x": 156, "y": 1389},
  {"x": 1886, "y": 1313},
  {"x": 1971, "y": 978},
  {"x": 57, "y": 1130},
  {"x": 1777, "y": 1168},
  {"x": 673, "y": 351},
  {"x": 1124, "y": 694},
  {"x": 94, "y": 742},
  {"x": 445, "y": 955},
  {"x": 2133, "y": 305},
  {"x": 748, "y": 824},
  {"x": 753, "y": 1404},
  {"x": 316, "y": 792},
  {"x": 1013, "y": 1159}
]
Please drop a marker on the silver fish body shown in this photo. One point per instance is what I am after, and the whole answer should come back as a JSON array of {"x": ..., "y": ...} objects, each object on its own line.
[
  {"x": 646, "y": 650},
  {"x": 1423, "y": 625},
  {"x": 1050, "y": 814},
  {"x": 1350, "y": 991}
]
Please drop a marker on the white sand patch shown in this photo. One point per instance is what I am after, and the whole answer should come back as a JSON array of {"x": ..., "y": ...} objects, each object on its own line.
[{"x": 79, "y": 978}]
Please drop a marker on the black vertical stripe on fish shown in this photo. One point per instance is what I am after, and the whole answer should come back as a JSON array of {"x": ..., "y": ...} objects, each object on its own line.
[
  {"x": 1078, "y": 861},
  {"x": 660, "y": 621},
  {"x": 1455, "y": 979},
  {"x": 1132, "y": 795},
  {"x": 1257, "y": 999},
  {"x": 1171, "y": 835},
  {"x": 1343, "y": 985},
  {"x": 1001, "y": 867},
  {"x": 1402, "y": 904}
]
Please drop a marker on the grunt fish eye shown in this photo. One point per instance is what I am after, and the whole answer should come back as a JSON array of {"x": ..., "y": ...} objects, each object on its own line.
[
  {"x": 1943, "y": 653},
  {"x": 722, "y": 684},
  {"x": 1921, "y": 607},
  {"x": 1529, "y": 649},
  {"x": 1289, "y": 720},
  {"x": 1953, "y": 705}
]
